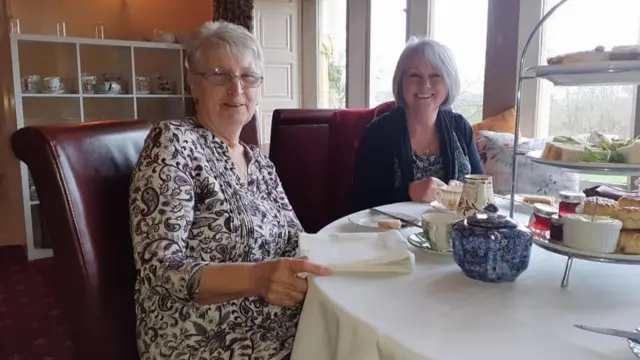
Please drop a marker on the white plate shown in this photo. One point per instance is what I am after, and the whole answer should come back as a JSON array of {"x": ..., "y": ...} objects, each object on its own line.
[
  {"x": 600, "y": 73},
  {"x": 418, "y": 242},
  {"x": 367, "y": 219},
  {"x": 589, "y": 167},
  {"x": 587, "y": 255}
]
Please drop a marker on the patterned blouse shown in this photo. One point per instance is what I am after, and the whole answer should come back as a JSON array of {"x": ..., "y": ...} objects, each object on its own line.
[
  {"x": 431, "y": 166},
  {"x": 189, "y": 208}
]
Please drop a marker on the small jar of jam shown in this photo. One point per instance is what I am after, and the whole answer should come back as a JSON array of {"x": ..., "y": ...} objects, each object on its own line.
[
  {"x": 556, "y": 227},
  {"x": 540, "y": 221},
  {"x": 569, "y": 200}
]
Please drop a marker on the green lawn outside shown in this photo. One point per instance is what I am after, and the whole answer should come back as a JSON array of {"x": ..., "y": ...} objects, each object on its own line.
[{"x": 609, "y": 179}]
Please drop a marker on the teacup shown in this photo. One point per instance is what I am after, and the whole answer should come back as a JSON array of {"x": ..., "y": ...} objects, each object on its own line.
[
  {"x": 30, "y": 84},
  {"x": 449, "y": 196},
  {"x": 88, "y": 84},
  {"x": 437, "y": 229},
  {"x": 53, "y": 84}
]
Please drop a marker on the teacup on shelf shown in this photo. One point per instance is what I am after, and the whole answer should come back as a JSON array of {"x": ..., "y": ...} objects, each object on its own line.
[
  {"x": 163, "y": 36},
  {"x": 29, "y": 84},
  {"x": 89, "y": 84},
  {"x": 142, "y": 85},
  {"x": 53, "y": 85},
  {"x": 110, "y": 85},
  {"x": 162, "y": 86}
]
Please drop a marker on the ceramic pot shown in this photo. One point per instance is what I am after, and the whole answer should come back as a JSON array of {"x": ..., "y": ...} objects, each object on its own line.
[
  {"x": 477, "y": 192},
  {"x": 490, "y": 247}
]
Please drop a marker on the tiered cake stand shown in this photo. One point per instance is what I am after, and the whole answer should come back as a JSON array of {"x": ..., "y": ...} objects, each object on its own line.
[{"x": 600, "y": 73}]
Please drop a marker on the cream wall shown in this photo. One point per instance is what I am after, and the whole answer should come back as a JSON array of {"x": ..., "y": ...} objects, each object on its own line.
[{"x": 122, "y": 19}]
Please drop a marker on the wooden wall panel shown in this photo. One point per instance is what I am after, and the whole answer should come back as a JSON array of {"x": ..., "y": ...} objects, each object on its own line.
[
  {"x": 501, "y": 69},
  {"x": 123, "y": 19}
]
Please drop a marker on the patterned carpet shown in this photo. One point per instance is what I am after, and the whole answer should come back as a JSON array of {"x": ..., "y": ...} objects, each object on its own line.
[{"x": 32, "y": 326}]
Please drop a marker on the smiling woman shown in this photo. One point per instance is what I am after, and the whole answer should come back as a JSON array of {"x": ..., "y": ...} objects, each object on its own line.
[
  {"x": 213, "y": 231},
  {"x": 409, "y": 152}
]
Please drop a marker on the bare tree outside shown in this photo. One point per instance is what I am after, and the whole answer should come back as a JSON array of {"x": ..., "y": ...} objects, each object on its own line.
[
  {"x": 336, "y": 69},
  {"x": 579, "y": 110},
  {"x": 469, "y": 102}
]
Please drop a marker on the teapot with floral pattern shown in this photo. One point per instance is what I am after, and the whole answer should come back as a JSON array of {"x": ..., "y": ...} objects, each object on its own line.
[{"x": 490, "y": 247}]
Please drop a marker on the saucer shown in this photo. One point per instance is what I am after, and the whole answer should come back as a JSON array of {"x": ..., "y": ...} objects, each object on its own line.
[{"x": 419, "y": 242}]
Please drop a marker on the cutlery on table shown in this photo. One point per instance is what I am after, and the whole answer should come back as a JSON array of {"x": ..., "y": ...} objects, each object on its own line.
[
  {"x": 612, "y": 332},
  {"x": 406, "y": 222}
]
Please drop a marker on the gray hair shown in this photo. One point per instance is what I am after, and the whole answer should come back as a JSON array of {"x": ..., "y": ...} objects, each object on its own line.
[
  {"x": 440, "y": 57},
  {"x": 221, "y": 34}
]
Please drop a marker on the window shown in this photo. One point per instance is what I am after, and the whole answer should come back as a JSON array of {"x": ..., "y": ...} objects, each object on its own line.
[
  {"x": 468, "y": 45},
  {"x": 332, "y": 64},
  {"x": 388, "y": 34},
  {"x": 579, "y": 26}
]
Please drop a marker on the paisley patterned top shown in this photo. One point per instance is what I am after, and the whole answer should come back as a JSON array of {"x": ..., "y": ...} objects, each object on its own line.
[
  {"x": 427, "y": 166},
  {"x": 431, "y": 166},
  {"x": 189, "y": 208}
]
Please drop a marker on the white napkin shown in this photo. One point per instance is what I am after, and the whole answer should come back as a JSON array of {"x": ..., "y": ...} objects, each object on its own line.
[{"x": 383, "y": 252}]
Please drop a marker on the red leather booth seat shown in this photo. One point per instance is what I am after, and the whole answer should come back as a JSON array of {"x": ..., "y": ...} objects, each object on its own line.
[
  {"x": 314, "y": 151},
  {"x": 82, "y": 174}
]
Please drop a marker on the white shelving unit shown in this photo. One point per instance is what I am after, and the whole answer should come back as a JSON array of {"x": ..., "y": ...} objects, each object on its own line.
[
  {"x": 604, "y": 73},
  {"x": 71, "y": 59}
]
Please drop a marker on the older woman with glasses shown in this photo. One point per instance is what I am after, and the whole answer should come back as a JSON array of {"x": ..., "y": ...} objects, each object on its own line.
[{"x": 214, "y": 235}]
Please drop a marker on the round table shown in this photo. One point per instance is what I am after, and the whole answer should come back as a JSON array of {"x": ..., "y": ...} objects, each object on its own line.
[{"x": 438, "y": 313}]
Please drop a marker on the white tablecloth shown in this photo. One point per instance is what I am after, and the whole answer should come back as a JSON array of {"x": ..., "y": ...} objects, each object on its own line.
[{"x": 438, "y": 313}]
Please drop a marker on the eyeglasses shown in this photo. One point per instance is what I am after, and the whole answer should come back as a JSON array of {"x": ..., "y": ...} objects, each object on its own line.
[{"x": 219, "y": 77}]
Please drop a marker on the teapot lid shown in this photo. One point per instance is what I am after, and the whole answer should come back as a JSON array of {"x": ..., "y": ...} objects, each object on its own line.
[{"x": 488, "y": 218}]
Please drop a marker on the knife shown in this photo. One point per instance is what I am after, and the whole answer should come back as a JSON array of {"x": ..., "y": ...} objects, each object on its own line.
[
  {"x": 403, "y": 220},
  {"x": 613, "y": 332}
]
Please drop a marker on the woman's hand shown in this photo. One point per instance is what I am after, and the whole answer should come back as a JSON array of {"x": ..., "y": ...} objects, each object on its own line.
[
  {"x": 278, "y": 283},
  {"x": 425, "y": 190}
]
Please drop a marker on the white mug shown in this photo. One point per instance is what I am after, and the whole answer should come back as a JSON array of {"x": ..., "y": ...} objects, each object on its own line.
[{"x": 437, "y": 229}]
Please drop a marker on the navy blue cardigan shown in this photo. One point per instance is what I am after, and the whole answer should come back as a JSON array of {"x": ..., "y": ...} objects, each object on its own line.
[{"x": 386, "y": 145}]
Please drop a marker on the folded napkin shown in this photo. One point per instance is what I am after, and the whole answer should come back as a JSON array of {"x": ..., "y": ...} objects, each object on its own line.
[{"x": 383, "y": 252}]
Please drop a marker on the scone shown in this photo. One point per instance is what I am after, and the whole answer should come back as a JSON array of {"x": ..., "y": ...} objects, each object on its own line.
[
  {"x": 629, "y": 201},
  {"x": 389, "y": 224},
  {"x": 630, "y": 217},
  {"x": 600, "y": 206},
  {"x": 629, "y": 242}
]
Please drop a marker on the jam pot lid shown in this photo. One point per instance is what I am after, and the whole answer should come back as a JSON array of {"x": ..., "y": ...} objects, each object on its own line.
[
  {"x": 544, "y": 210},
  {"x": 488, "y": 218},
  {"x": 571, "y": 196}
]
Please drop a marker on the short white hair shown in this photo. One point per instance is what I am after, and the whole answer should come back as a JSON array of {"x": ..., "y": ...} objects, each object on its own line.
[
  {"x": 230, "y": 37},
  {"x": 442, "y": 60}
]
